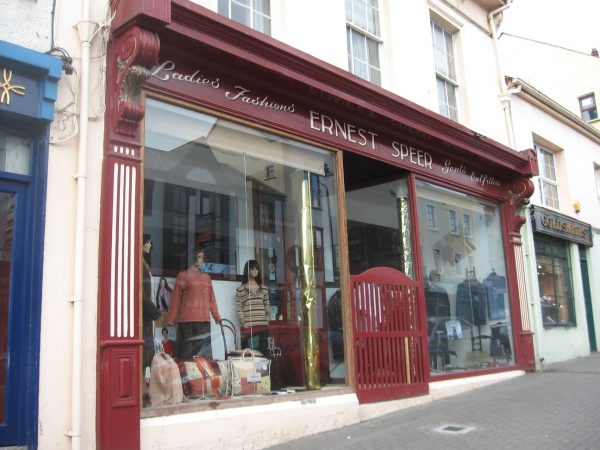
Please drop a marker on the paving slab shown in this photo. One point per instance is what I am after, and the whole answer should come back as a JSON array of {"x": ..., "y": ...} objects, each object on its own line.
[{"x": 557, "y": 408}]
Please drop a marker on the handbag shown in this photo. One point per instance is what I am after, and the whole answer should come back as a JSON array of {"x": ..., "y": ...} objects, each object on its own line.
[
  {"x": 201, "y": 377},
  {"x": 250, "y": 374},
  {"x": 165, "y": 383}
]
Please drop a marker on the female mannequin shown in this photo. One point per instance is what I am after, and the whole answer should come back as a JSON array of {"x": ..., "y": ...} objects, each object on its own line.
[
  {"x": 253, "y": 307},
  {"x": 149, "y": 311}
]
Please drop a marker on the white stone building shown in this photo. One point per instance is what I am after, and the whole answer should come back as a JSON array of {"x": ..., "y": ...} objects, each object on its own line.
[{"x": 124, "y": 157}]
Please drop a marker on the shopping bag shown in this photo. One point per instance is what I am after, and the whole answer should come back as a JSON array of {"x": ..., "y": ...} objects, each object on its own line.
[
  {"x": 165, "y": 383},
  {"x": 201, "y": 377},
  {"x": 192, "y": 381},
  {"x": 250, "y": 374}
]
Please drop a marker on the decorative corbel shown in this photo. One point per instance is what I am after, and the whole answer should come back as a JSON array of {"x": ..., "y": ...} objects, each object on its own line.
[
  {"x": 518, "y": 195},
  {"x": 137, "y": 53}
]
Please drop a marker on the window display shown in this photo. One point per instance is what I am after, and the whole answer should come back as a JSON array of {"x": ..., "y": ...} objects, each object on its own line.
[
  {"x": 243, "y": 264},
  {"x": 468, "y": 312},
  {"x": 554, "y": 280}
]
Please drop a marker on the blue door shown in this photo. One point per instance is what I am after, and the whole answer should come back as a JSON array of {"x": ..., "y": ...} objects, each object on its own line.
[{"x": 13, "y": 312}]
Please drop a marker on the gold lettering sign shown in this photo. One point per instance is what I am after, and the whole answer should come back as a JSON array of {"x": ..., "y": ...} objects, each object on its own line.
[
  {"x": 562, "y": 226},
  {"x": 7, "y": 88}
]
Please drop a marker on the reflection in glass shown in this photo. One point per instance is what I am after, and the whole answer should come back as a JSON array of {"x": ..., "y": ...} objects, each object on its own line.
[
  {"x": 248, "y": 198},
  {"x": 379, "y": 230},
  {"x": 7, "y": 216},
  {"x": 468, "y": 312}
]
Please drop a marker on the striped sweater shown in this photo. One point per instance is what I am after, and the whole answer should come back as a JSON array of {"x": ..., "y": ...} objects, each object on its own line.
[{"x": 253, "y": 308}]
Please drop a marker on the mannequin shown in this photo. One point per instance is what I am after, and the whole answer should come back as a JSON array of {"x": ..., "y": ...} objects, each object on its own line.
[
  {"x": 149, "y": 311},
  {"x": 436, "y": 298},
  {"x": 253, "y": 307},
  {"x": 437, "y": 304},
  {"x": 192, "y": 303}
]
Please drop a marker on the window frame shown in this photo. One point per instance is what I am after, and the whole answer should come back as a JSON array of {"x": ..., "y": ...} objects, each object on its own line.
[
  {"x": 467, "y": 225},
  {"x": 431, "y": 220},
  {"x": 544, "y": 179},
  {"x": 591, "y": 111},
  {"x": 323, "y": 242},
  {"x": 453, "y": 221},
  {"x": 369, "y": 37},
  {"x": 447, "y": 81},
  {"x": 253, "y": 10}
]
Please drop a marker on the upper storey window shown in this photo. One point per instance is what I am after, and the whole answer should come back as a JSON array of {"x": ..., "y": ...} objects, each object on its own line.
[
  {"x": 587, "y": 105},
  {"x": 363, "y": 33},
  {"x": 547, "y": 178},
  {"x": 255, "y": 14},
  {"x": 445, "y": 70}
]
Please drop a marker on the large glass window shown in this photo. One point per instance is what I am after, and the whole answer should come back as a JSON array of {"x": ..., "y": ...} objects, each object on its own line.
[
  {"x": 468, "y": 311},
  {"x": 240, "y": 225},
  {"x": 445, "y": 70},
  {"x": 362, "y": 18},
  {"x": 554, "y": 280}
]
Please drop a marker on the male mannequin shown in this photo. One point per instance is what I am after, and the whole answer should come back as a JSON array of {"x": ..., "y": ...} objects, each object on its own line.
[{"x": 192, "y": 303}]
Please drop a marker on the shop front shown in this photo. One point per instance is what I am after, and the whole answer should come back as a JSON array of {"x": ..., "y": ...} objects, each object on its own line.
[
  {"x": 273, "y": 228},
  {"x": 27, "y": 94},
  {"x": 560, "y": 242}
]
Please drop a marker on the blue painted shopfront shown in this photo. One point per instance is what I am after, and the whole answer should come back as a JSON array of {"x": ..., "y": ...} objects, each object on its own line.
[{"x": 28, "y": 87}]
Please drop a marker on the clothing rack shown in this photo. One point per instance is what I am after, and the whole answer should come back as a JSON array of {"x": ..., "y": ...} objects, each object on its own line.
[{"x": 470, "y": 274}]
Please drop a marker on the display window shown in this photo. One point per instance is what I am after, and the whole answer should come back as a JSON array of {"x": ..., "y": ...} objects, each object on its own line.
[
  {"x": 241, "y": 293},
  {"x": 554, "y": 280},
  {"x": 467, "y": 305}
]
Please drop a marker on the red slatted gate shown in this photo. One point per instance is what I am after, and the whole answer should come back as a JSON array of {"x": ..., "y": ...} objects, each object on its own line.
[{"x": 389, "y": 340}]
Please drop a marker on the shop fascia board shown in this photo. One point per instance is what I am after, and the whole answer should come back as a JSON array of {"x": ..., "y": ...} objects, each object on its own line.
[
  {"x": 191, "y": 22},
  {"x": 533, "y": 96}
]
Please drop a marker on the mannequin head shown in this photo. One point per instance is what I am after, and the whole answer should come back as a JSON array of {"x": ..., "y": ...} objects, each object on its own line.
[
  {"x": 434, "y": 276},
  {"x": 147, "y": 244},
  {"x": 252, "y": 270},
  {"x": 199, "y": 258}
]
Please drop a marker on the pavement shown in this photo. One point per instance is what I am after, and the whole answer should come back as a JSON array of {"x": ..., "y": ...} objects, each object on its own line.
[{"x": 557, "y": 408}]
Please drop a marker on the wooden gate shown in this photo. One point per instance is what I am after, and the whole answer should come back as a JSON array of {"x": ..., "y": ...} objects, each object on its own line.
[{"x": 389, "y": 340}]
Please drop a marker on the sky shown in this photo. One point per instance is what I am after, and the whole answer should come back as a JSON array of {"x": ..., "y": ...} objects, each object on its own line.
[{"x": 573, "y": 24}]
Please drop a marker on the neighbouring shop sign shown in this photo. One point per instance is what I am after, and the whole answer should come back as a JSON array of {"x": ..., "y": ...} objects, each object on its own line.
[
  {"x": 19, "y": 92},
  {"x": 28, "y": 82},
  {"x": 558, "y": 225}
]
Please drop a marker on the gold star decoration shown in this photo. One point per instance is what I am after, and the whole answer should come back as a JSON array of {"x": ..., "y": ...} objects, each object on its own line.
[{"x": 7, "y": 88}]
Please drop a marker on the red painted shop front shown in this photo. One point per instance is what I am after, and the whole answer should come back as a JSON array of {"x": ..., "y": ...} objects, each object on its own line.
[{"x": 342, "y": 150}]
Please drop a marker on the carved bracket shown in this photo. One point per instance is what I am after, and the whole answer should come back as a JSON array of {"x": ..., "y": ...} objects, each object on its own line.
[
  {"x": 518, "y": 194},
  {"x": 137, "y": 53}
]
